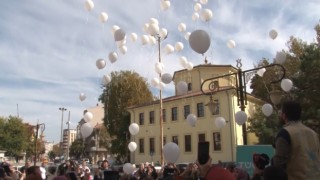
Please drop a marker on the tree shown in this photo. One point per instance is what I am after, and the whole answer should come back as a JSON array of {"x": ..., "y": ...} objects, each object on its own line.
[
  {"x": 77, "y": 149},
  {"x": 127, "y": 88},
  {"x": 302, "y": 67},
  {"x": 14, "y": 137},
  {"x": 51, "y": 155}
]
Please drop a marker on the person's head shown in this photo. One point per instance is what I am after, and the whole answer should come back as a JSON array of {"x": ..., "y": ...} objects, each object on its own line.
[
  {"x": 274, "y": 173},
  {"x": 141, "y": 167},
  {"x": 27, "y": 164},
  {"x": 84, "y": 163},
  {"x": 290, "y": 111},
  {"x": 260, "y": 161},
  {"x": 33, "y": 173},
  {"x": 105, "y": 164}
]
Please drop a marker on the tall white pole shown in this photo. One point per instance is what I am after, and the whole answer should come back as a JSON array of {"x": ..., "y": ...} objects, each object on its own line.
[{"x": 68, "y": 139}]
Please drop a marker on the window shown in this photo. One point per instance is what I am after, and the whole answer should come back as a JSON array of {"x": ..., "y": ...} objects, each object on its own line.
[
  {"x": 201, "y": 137},
  {"x": 200, "y": 110},
  {"x": 151, "y": 146},
  {"x": 189, "y": 86},
  {"x": 164, "y": 140},
  {"x": 151, "y": 117},
  {"x": 216, "y": 141},
  {"x": 164, "y": 116},
  {"x": 187, "y": 143},
  {"x": 141, "y": 119},
  {"x": 186, "y": 109},
  {"x": 141, "y": 145},
  {"x": 174, "y": 114},
  {"x": 175, "y": 139}
]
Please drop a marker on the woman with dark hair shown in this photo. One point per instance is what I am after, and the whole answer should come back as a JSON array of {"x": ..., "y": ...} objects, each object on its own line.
[{"x": 260, "y": 161}]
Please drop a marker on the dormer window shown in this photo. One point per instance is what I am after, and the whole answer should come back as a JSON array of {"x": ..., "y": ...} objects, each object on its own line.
[{"x": 189, "y": 87}]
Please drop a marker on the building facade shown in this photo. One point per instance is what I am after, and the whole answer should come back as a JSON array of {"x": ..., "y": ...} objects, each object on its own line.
[
  {"x": 223, "y": 141},
  {"x": 69, "y": 135}
]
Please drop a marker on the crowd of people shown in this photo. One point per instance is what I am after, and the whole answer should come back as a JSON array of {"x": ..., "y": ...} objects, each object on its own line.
[{"x": 297, "y": 157}]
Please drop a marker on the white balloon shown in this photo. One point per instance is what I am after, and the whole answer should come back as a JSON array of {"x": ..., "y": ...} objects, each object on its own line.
[
  {"x": 166, "y": 78},
  {"x": 100, "y": 63},
  {"x": 86, "y": 130},
  {"x": 132, "y": 146},
  {"x": 183, "y": 61},
  {"x": 128, "y": 168},
  {"x": 144, "y": 39},
  {"x": 161, "y": 85},
  {"x": 152, "y": 40},
  {"x": 240, "y": 117},
  {"x": 145, "y": 28},
  {"x": 122, "y": 42},
  {"x": 206, "y": 15},
  {"x": 123, "y": 49},
  {"x": 169, "y": 49},
  {"x": 182, "y": 88},
  {"x": 106, "y": 79},
  {"x": 187, "y": 35},
  {"x": 153, "y": 20},
  {"x": 286, "y": 85},
  {"x": 171, "y": 152},
  {"x": 153, "y": 29},
  {"x": 273, "y": 34},
  {"x": 195, "y": 16},
  {"x": 163, "y": 32},
  {"x": 104, "y": 17},
  {"x": 134, "y": 128},
  {"x": 189, "y": 66},
  {"x": 88, "y": 116},
  {"x": 113, "y": 57},
  {"x": 199, "y": 41},
  {"x": 155, "y": 82},
  {"x": 197, "y": 7},
  {"x": 203, "y": 2},
  {"x": 114, "y": 28},
  {"x": 133, "y": 37},
  {"x": 178, "y": 46},
  {"x": 231, "y": 44},
  {"x": 280, "y": 57},
  {"x": 192, "y": 119},
  {"x": 267, "y": 109},
  {"x": 261, "y": 71},
  {"x": 82, "y": 96},
  {"x": 182, "y": 27},
  {"x": 119, "y": 35},
  {"x": 164, "y": 5},
  {"x": 89, "y": 5},
  {"x": 220, "y": 122},
  {"x": 159, "y": 67}
]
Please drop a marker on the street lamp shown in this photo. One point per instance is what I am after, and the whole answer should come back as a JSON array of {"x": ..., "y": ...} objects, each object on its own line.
[
  {"x": 62, "y": 109},
  {"x": 159, "y": 39},
  {"x": 241, "y": 79},
  {"x": 42, "y": 128}
]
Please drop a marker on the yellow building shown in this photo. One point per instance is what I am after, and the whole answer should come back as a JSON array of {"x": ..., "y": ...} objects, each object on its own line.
[{"x": 176, "y": 108}]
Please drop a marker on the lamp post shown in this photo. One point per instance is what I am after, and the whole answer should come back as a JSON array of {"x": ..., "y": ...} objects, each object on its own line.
[
  {"x": 62, "y": 109},
  {"x": 241, "y": 79},
  {"x": 42, "y": 128},
  {"x": 159, "y": 39}
]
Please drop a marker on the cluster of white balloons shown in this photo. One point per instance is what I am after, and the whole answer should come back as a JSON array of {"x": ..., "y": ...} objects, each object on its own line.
[
  {"x": 185, "y": 63},
  {"x": 204, "y": 14},
  {"x": 86, "y": 128},
  {"x": 133, "y": 129}
]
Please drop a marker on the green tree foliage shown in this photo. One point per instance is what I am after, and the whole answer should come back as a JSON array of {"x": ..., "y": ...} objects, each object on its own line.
[
  {"x": 303, "y": 68},
  {"x": 51, "y": 155},
  {"x": 14, "y": 137},
  {"x": 126, "y": 89},
  {"x": 77, "y": 149}
]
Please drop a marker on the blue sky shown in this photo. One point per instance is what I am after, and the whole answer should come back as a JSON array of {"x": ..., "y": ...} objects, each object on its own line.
[{"x": 48, "y": 49}]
